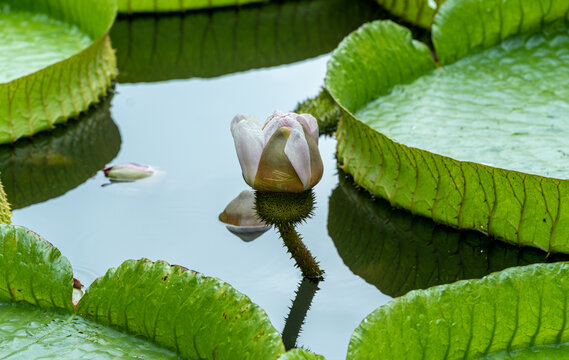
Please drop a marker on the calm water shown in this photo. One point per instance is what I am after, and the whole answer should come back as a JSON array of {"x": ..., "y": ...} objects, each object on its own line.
[{"x": 181, "y": 127}]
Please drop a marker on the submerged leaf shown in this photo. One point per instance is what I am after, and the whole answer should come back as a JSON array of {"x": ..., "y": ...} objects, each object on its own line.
[
  {"x": 48, "y": 165},
  {"x": 209, "y": 44},
  {"x": 398, "y": 252},
  {"x": 503, "y": 103},
  {"x": 59, "y": 76},
  {"x": 518, "y": 312}
]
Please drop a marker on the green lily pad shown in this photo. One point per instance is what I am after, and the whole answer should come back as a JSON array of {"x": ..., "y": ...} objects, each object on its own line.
[
  {"x": 300, "y": 354},
  {"x": 27, "y": 332},
  {"x": 210, "y": 44},
  {"x": 398, "y": 252},
  {"x": 157, "y": 311},
  {"x": 422, "y": 137},
  {"x": 49, "y": 164},
  {"x": 154, "y": 6},
  {"x": 417, "y": 12},
  {"x": 197, "y": 316},
  {"x": 56, "y": 60},
  {"x": 516, "y": 313}
]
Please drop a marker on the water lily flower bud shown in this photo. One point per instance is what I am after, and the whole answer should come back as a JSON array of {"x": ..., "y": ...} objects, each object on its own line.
[
  {"x": 241, "y": 217},
  {"x": 281, "y": 155},
  {"x": 128, "y": 172}
]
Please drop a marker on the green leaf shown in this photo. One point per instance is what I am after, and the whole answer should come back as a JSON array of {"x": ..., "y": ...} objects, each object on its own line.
[
  {"x": 417, "y": 12},
  {"x": 56, "y": 61},
  {"x": 516, "y": 312},
  {"x": 154, "y": 6},
  {"x": 195, "y": 315},
  {"x": 503, "y": 103},
  {"x": 324, "y": 109},
  {"x": 33, "y": 271},
  {"x": 209, "y": 44},
  {"x": 50, "y": 164},
  {"x": 398, "y": 252},
  {"x": 27, "y": 332},
  {"x": 300, "y": 354}
]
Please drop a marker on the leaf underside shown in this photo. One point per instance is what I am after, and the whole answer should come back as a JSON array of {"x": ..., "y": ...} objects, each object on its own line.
[
  {"x": 398, "y": 252},
  {"x": 516, "y": 207},
  {"x": 49, "y": 164},
  {"x": 64, "y": 89},
  {"x": 210, "y": 44},
  {"x": 516, "y": 313}
]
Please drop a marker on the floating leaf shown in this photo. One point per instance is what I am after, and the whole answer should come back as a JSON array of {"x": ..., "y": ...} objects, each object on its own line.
[
  {"x": 33, "y": 271},
  {"x": 49, "y": 164},
  {"x": 398, "y": 252},
  {"x": 519, "y": 312},
  {"x": 324, "y": 109},
  {"x": 503, "y": 102},
  {"x": 27, "y": 332},
  {"x": 417, "y": 12},
  {"x": 194, "y": 315},
  {"x": 209, "y": 44},
  {"x": 56, "y": 61},
  {"x": 154, "y": 6},
  {"x": 300, "y": 354},
  {"x": 185, "y": 311}
]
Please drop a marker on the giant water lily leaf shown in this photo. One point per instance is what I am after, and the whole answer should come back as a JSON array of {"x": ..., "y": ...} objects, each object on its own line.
[
  {"x": 197, "y": 316},
  {"x": 27, "y": 332},
  {"x": 154, "y": 6},
  {"x": 418, "y": 12},
  {"x": 33, "y": 271},
  {"x": 50, "y": 164},
  {"x": 173, "y": 312},
  {"x": 300, "y": 354},
  {"x": 422, "y": 137},
  {"x": 209, "y": 44},
  {"x": 55, "y": 61},
  {"x": 398, "y": 252},
  {"x": 516, "y": 313}
]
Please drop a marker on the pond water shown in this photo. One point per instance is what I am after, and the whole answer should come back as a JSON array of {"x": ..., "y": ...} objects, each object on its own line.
[{"x": 181, "y": 127}]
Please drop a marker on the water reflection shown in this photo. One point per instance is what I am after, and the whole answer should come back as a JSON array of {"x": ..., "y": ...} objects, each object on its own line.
[
  {"x": 213, "y": 43},
  {"x": 398, "y": 252},
  {"x": 241, "y": 218},
  {"x": 301, "y": 304},
  {"x": 49, "y": 164}
]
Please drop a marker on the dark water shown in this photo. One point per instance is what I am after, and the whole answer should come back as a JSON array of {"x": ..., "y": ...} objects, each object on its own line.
[{"x": 166, "y": 117}]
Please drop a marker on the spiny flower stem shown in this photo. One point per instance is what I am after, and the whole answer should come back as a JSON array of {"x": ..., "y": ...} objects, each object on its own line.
[{"x": 304, "y": 260}]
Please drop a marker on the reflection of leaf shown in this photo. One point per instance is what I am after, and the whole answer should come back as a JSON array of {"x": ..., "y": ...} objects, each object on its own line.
[
  {"x": 398, "y": 252},
  {"x": 208, "y": 44},
  {"x": 194, "y": 315},
  {"x": 48, "y": 165},
  {"x": 520, "y": 311},
  {"x": 386, "y": 82},
  {"x": 50, "y": 96},
  {"x": 136, "y": 6},
  {"x": 418, "y": 12}
]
